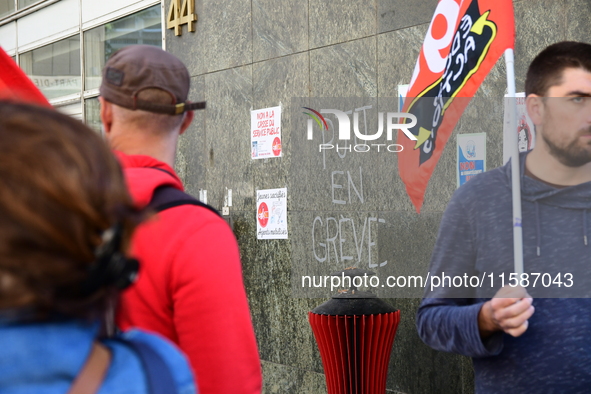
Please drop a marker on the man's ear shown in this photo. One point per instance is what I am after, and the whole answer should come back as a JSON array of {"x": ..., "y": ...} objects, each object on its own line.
[
  {"x": 535, "y": 108},
  {"x": 189, "y": 115},
  {"x": 106, "y": 115}
]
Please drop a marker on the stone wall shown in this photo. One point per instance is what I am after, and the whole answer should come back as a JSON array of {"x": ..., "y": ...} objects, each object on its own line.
[{"x": 251, "y": 54}]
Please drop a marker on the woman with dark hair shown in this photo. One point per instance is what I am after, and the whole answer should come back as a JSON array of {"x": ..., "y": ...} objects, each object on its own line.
[{"x": 65, "y": 224}]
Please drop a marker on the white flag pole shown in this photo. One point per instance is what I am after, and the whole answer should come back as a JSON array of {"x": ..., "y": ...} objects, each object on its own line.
[{"x": 515, "y": 173}]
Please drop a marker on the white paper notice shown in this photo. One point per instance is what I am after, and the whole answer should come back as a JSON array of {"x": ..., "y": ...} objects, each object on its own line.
[
  {"x": 526, "y": 138},
  {"x": 272, "y": 214},
  {"x": 265, "y": 133},
  {"x": 471, "y": 156}
]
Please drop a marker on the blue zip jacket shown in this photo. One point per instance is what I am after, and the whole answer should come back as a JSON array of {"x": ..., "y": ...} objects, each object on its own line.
[
  {"x": 44, "y": 358},
  {"x": 476, "y": 238}
]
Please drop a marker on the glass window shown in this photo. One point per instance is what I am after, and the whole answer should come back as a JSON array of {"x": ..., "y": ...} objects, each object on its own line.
[
  {"x": 6, "y": 7},
  {"x": 100, "y": 43},
  {"x": 74, "y": 110},
  {"x": 92, "y": 111},
  {"x": 54, "y": 68},
  {"x": 26, "y": 3}
]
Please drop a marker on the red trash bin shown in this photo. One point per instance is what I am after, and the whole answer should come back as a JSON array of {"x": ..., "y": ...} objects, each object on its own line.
[{"x": 355, "y": 332}]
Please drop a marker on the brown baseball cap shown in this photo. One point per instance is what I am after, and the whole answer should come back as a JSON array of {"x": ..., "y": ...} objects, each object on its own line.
[{"x": 135, "y": 68}]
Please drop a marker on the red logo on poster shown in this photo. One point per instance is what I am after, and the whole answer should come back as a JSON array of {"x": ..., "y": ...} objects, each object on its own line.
[
  {"x": 263, "y": 214},
  {"x": 276, "y": 146}
]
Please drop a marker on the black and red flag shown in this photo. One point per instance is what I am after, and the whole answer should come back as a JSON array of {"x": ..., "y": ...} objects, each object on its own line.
[{"x": 464, "y": 41}]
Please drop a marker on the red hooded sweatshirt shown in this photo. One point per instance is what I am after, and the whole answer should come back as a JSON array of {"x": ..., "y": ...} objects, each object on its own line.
[{"x": 190, "y": 286}]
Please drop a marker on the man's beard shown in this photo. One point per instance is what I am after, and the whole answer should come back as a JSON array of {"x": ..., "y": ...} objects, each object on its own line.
[{"x": 573, "y": 154}]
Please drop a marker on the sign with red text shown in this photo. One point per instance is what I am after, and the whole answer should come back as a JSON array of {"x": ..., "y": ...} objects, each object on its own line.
[
  {"x": 526, "y": 138},
  {"x": 272, "y": 214},
  {"x": 265, "y": 133},
  {"x": 471, "y": 156}
]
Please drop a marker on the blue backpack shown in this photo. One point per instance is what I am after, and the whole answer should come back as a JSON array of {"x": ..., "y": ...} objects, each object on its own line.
[{"x": 160, "y": 379}]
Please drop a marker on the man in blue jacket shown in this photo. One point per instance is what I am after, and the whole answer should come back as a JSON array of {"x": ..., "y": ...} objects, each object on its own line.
[{"x": 521, "y": 344}]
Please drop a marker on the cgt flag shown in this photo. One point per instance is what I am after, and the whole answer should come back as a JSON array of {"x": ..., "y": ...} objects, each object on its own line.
[
  {"x": 464, "y": 41},
  {"x": 15, "y": 85}
]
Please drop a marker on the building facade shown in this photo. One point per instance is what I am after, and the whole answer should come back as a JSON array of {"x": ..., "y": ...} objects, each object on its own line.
[
  {"x": 246, "y": 55},
  {"x": 63, "y": 45}
]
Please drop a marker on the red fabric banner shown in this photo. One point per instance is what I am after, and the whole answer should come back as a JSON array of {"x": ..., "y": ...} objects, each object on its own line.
[
  {"x": 464, "y": 41},
  {"x": 15, "y": 85}
]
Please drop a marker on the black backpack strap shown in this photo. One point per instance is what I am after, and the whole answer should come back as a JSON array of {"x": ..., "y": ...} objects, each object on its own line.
[
  {"x": 166, "y": 197},
  {"x": 158, "y": 374}
]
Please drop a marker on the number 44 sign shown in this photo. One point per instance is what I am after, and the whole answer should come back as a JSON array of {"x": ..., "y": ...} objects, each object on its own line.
[{"x": 180, "y": 14}]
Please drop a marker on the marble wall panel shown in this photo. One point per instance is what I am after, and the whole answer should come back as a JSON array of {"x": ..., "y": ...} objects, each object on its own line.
[
  {"x": 344, "y": 70},
  {"x": 280, "y": 321},
  {"x": 338, "y": 21},
  {"x": 190, "y": 47},
  {"x": 229, "y": 165},
  {"x": 275, "y": 82},
  {"x": 401, "y": 14},
  {"x": 279, "y": 28},
  {"x": 577, "y": 20},
  {"x": 415, "y": 368},
  {"x": 223, "y": 36},
  {"x": 191, "y": 161},
  {"x": 538, "y": 23},
  {"x": 285, "y": 379}
]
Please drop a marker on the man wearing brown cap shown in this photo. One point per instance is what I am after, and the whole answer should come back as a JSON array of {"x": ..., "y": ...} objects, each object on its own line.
[{"x": 190, "y": 287}]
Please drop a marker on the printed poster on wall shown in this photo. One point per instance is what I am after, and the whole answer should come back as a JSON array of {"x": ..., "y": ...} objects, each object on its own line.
[
  {"x": 471, "y": 156},
  {"x": 272, "y": 214},
  {"x": 526, "y": 138},
  {"x": 265, "y": 133}
]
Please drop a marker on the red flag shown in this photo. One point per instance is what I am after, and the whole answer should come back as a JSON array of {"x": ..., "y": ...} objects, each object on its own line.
[
  {"x": 464, "y": 41},
  {"x": 15, "y": 85}
]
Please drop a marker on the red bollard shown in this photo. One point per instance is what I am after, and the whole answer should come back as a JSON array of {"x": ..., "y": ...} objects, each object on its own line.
[{"x": 355, "y": 333}]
